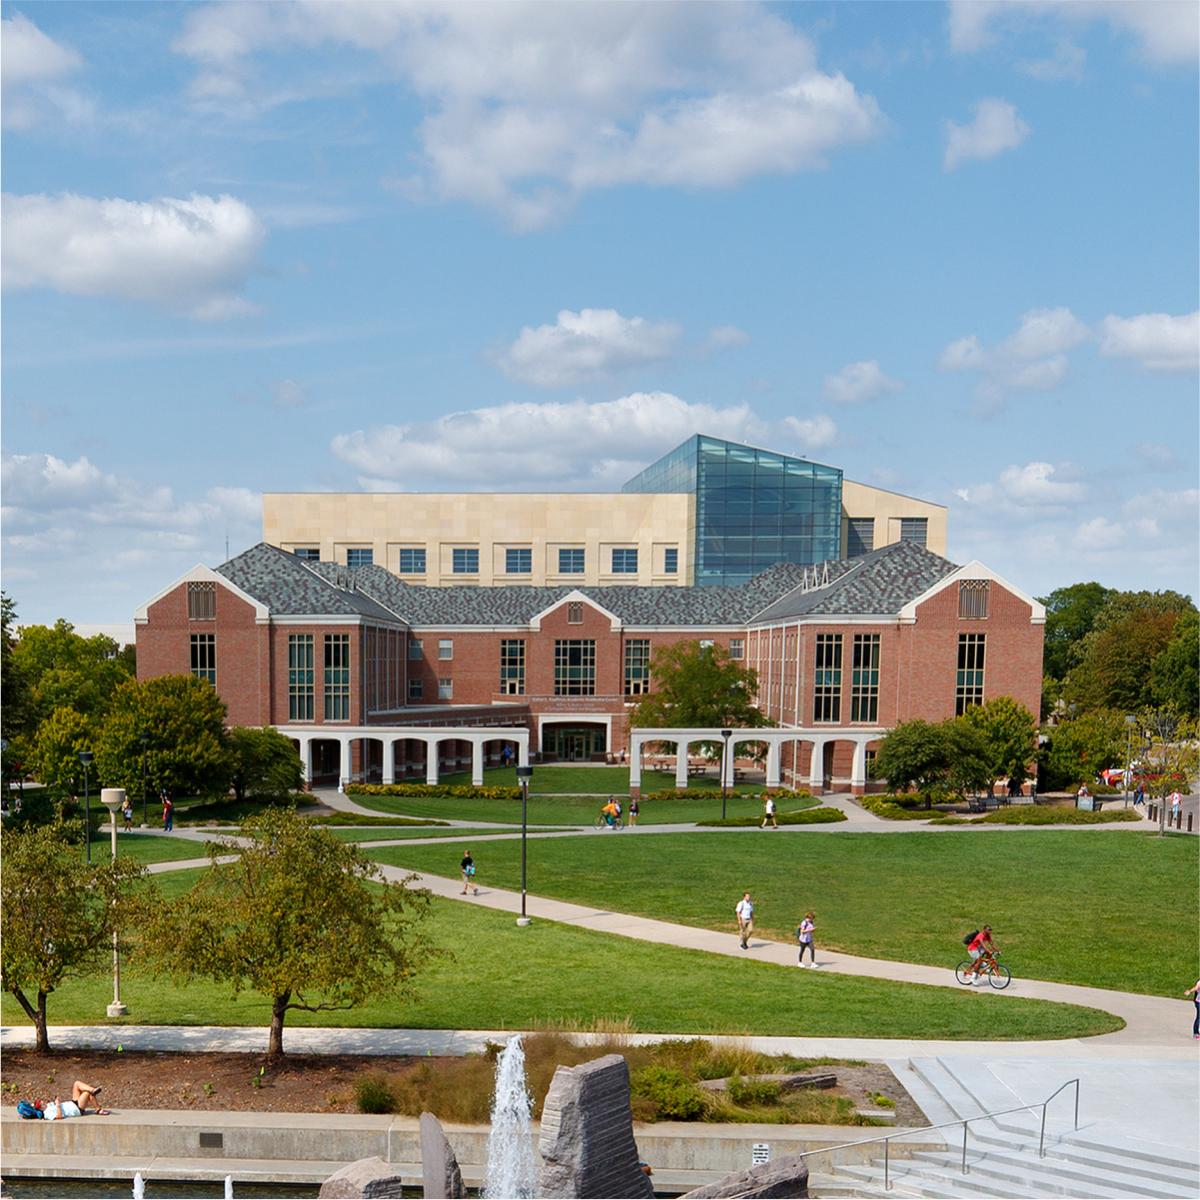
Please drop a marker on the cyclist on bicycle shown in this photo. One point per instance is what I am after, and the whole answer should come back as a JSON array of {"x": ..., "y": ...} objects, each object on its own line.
[
  {"x": 982, "y": 950},
  {"x": 611, "y": 812}
]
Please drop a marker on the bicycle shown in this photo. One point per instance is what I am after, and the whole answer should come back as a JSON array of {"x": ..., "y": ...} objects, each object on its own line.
[
  {"x": 997, "y": 974},
  {"x": 601, "y": 822}
]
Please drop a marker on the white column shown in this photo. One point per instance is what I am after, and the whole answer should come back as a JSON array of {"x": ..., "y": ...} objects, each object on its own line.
[
  {"x": 635, "y": 760},
  {"x": 727, "y": 765},
  {"x": 773, "y": 763},
  {"x": 389, "y": 760},
  {"x": 858, "y": 770},
  {"x": 306, "y": 744},
  {"x": 431, "y": 760},
  {"x": 344, "y": 760},
  {"x": 477, "y": 761},
  {"x": 522, "y": 740},
  {"x": 681, "y": 763},
  {"x": 816, "y": 767}
]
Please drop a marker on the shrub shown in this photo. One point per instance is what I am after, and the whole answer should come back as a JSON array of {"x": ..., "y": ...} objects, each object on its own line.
[
  {"x": 672, "y": 1094},
  {"x": 457, "y": 791},
  {"x": 345, "y": 818},
  {"x": 752, "y": 1092},
  {"x": 896, "y": 808},
  {"x": 806, "y": 816},
  {"x": 710, "y": 793},
  {"x": 1029, "y": 815},
  {"x": 374, "y": 1094}
]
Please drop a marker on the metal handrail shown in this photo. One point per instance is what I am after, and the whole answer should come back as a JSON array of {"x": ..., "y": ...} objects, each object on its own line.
[{"x": 964, "y": 1122}]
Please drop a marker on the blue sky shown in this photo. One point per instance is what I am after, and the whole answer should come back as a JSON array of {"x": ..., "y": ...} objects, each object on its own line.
[{"x": 951, "y": 249}]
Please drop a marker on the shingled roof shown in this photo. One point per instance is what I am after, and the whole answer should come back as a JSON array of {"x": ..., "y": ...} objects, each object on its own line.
[{"x": 877, "y": 584}]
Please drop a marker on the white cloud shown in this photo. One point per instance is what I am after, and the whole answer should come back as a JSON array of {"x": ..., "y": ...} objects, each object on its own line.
[
  {"x": 996, "y": 128},
  {"x": 727, "y": 337},
  {"x": 193, "y": 255},
  {"x": 585, "y": 345},
  {"x": 1032, "y": 490},
  {"x": 529, "y": 106},
  {"x": 859, "y": 382},
  {"x": 1033, "y": 358},
  {"x": 1158, "y": 341},
  {"x": 812, "y": 433},
  {"x": 287, "y": 393},
  {"x": 1067, "y": 62},
  {"x": 32, "y": 67},
  {"x": 513, "y": 447},
  {"x": 1166, "y": 31}
]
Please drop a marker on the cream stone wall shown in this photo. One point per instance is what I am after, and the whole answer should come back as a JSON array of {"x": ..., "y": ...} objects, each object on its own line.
[
  {"x": 887, "y": 508},
  {"x": 492, "y": 522}
]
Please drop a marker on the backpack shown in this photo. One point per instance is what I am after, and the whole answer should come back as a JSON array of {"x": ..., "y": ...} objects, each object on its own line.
[
  {"x": 970, "y": 937},
  {"x": 27, "y": 1110}
]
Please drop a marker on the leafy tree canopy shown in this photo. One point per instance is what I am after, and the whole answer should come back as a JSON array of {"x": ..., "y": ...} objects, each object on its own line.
[
  {"x": 698, "y": 686},
  {"x": 1083, "y": 746},
  {"x": 57, "y": 916},
  {"x": 1070, "y": 614},
  {"x": 55, "y": 756},
  {"x": 183, "y": 721},
  {"x": 1175, "y": 671},
  {"x": 292, "y": 920},
  {"x": 265, "y": 763},
  {"x": 16, "y": 715},
  {"x": 1009, "y": 734}
]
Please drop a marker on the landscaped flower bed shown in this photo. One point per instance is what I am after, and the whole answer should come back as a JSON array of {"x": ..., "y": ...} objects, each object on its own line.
[
  {"x": 708, "y": 793},
  {"x": 434, "y": 789}
]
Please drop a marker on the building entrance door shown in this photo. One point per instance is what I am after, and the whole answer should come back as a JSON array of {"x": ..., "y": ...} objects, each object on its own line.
[{"x": 574, "y": 743}]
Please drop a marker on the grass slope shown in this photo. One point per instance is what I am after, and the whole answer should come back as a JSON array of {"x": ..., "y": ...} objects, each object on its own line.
[
  {"x": 1108, "y": 909},
  {"x": 547, "y": 974}
]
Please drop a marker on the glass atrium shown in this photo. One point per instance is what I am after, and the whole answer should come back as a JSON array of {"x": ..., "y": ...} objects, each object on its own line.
[{"x": 754, "y": 508}]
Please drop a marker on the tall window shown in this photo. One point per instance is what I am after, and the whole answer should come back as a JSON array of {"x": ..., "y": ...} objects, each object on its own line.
[
  {"x": 914, "y": 529},
  {"x": 968, "y": 687},
  {"x": 861, "y": 537},
  {"x": 670, "y": 561},
  {"x": 518, "y": 562},
  {"x": 300, "y": 677},
  {"x": 204, "y": 657},
  {"x": 202, "y": 601},
  {"x": 575, "y": 668},
  {"x": 465, "y": 560},
  {"x": 412, "y": 561},
  {"x": 864, "y": 678},
  {"x": 445, "y": 689},
  {"x": 416, "y": 649},
  {"x": 624, "y": 562},
  {"x": 737, "y": 647},
  {"x": 307, "y": 553},
  {"x": 637, "y": 666},
  {"x": 360, "y": 556},
  {"x": 337, "y": 677},
  {"x": 445, "y": 648},
  {"x": 570, "y": 562},
  {"x": 972, "y": 599},
  {"x": 827, "y": 678},
  {"x": 416, "y": 689},
  {"x": 512, "y": 667}
]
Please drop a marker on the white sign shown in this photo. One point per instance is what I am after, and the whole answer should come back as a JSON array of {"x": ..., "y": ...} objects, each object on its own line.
[{"x": 760, "y": 1152}]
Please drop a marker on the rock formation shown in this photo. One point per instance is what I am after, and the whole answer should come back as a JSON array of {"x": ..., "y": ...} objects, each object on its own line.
[
  {"x": 586, "y": 1143},
  {"x": 439, "y": 1168},
  {"x": 780, "y": 1180},
  {"x": 366, "y": 1179}
]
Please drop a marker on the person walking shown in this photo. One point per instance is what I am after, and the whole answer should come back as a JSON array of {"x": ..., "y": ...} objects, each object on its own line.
[
  {"x": 769, "y": 813},
  {"x": 1194, "y": 992},
  {"x": 168, "y": 813},
  {"x": 745, "y": 919},
  {"x": 1176, "y": 801},
  {"x": 127, "y": 814},
  {"x": 634, "y": 810},
  {"x": 467, "y": 866},
  {"x": 804, "y": 935},
  {"x": 1139, "y": 795}
]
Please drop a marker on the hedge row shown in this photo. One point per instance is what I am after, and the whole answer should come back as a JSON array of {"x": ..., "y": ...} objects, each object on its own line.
[
  {"x": 434, "y": 789},
  {"x": 897, "y": 808},
  {"x": 806, "y": 816},
  {"x": 1027, "y": 814},
  {"x": 715, "y": 794}
]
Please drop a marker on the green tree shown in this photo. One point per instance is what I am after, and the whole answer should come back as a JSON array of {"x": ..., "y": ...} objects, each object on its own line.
[
  {"x": 1009, "y": 734},
  {"x": 914, "y": 754},
  {"x": 1083, "y": 746},
  {"x": 57, "y": 917},
  {"x": 55, "y": 758},
  {"x": 265, "y": 763},
  {"x": 16, "y": 715},
  {"x": 970, "y": 761},
  {"x": 1070, "y": 614},
  {"x": 292, "y": 919},
  {"x": 66, "y": 670},
  {"x": 183, "y": 721},
  {"x": 698, "y": 686},
  {"x": 1175, "y": 671}
]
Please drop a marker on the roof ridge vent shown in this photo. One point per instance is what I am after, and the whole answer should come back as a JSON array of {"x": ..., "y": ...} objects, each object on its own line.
[{"x": 814, "y": 578}]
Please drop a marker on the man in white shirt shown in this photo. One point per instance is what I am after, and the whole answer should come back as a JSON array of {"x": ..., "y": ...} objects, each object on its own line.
[
  {"x": 745, "y": 918},
  {"x": 769, "y": 813}
]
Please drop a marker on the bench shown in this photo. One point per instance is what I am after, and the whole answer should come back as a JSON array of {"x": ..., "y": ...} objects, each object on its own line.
[{"x": 982, "y": 804}]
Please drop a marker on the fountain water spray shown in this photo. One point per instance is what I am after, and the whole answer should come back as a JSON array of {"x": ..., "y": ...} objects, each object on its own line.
[
  {"x": 139, "y": 1188},
  {"x": 511, "y": 1162}
]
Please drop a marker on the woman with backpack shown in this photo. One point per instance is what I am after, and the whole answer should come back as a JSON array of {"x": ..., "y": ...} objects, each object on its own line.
[{"x": 804, "y": 935}]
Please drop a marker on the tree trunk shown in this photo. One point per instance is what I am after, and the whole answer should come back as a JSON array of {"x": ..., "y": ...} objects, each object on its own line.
[
  {"x": 37, "y": 1016},
  {"x": 279, "y": 1008}
]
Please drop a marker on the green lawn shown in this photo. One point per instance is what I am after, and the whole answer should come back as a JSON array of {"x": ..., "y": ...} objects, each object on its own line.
[
  {"x": 571, "y": 810},
  {"x": 383, "y": 834},
  {"x": 505, "y": 977},
  {"x": 147, "y": 848},
  {"x": 593, "y": 781},
  {"x": 1106, "y": 908}
]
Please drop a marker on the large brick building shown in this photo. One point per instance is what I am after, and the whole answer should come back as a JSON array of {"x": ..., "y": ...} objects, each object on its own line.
[{"x": 375, "y": 676}]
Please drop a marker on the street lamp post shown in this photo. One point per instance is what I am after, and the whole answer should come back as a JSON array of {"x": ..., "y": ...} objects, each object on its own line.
[
  {"x": 114, "y": 800},
  {"x": 85, "y": 757},
  {"x": 144, "y": 738},
  {"x": 523, "y": 776},
  {"x": 726, "y": 734}
]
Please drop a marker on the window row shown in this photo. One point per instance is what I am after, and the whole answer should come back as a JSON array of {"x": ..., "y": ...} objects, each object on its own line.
[
  {"x": 302, "y": 676},
  {"x": 518, "y": 560}
]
